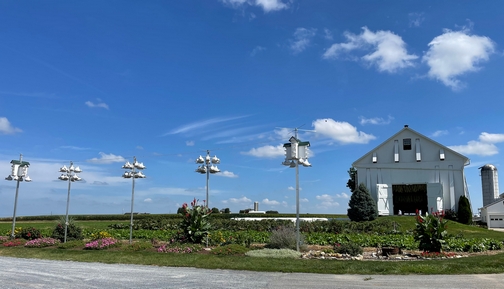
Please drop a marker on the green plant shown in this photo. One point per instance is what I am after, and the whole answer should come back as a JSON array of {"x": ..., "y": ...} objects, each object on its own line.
[
  {"x": 430, "y": 231},
  {"x": 362, "y": 207},
  {"x": 464, "y": 212},
  {"x": 72, "y": 244},
  {"x": 138, "y": 246},
  {"x": 14, "y": 243},
  {"x": 231, "y": 249},
  {"x": 73, "y": 231},
  {"x": 100, "y": 235},
  {"x": 41, "y": 243},
  {"x": 194, "y": 225},
  {"x": 283, "y": 238},
  {"x": 351, "y": 249},
  {"x": 274, "y": 253},
  {"x": 30, "y": 233}
]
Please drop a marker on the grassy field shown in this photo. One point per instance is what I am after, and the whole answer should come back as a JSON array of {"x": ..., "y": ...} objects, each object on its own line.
[{"x": 486, "y": 264}]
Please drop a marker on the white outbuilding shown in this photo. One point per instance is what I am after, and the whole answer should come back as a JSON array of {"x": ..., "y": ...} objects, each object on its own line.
[
  {"x": 493, "y": 214},
  {"x": 410, "y": 172}
]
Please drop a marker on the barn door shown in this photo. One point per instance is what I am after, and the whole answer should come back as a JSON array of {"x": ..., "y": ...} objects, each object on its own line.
[
  {"x": 385, "y": 206},
  {"x": 435, "y": 197}
]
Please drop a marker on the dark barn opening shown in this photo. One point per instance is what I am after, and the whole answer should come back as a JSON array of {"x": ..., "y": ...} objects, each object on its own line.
[{"x": 409, "y": 198}]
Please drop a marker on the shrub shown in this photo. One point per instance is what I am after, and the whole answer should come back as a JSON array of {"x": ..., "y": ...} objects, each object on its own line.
[
  {"x": 179, "y": 248},
  {"x": 73, "y": 231},
  {"x": 30, "y": 233},
  {"x": 139, "y": 246},
  {"x": 41, "y": 243},
  {"x": 283, "y": 238},
  {"x": 194, "y": 225},
  {"x": 362, "y": 207},
  {"x": 17, "y": 232},
  {"x": 451, "y": 215},
  {"x": 231, "y": 249},
  {"x": 102, "y": 244},
  {"x": 100, "y": 235},
  {"x": 351, "y": 249},
  {"x": 271, "y": 212},
  {"x": 3, "y": 239},
  {"x": 430, "y": 231},
  {"x": 464, "y": 212},
  {"x": 215, "y": 210}
]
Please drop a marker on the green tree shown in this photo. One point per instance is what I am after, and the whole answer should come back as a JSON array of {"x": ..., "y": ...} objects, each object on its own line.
[
  {"x": 227, "y": 211},
  {"x": 352, "y": 173},
  {"x": 362, "y": 207},
  {"x": 215, "y": 210},
  {"x": 464, "y": 212}
]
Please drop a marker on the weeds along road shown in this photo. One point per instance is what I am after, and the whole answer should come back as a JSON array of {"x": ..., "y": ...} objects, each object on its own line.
[{"x": 34, "y": 273}]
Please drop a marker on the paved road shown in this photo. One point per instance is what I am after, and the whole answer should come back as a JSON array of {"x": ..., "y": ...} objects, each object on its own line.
[{"x": 34, "y": 273}]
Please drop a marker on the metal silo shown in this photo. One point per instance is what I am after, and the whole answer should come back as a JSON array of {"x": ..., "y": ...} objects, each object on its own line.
[{"x": 489, "y": 183}]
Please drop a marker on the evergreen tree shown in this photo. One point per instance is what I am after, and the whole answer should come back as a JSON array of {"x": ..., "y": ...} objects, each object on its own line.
[
  {"x": 352, "y": 173},
  {"x": 464, "y": 212},
  {"x": 362, "y": 207}
]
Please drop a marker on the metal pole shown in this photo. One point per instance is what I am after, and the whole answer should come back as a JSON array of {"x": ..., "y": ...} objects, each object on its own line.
[
  {"x": 68, "y": 204},
  {"x": 13, "y": 235},
  {"x": 297, "y": 196},
  {"x": 132, "y": 200},
  {"x": 207, "y": 178}
]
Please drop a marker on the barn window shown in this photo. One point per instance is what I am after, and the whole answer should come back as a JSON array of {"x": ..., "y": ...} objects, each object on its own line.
[{"x": 406, "y": 144}]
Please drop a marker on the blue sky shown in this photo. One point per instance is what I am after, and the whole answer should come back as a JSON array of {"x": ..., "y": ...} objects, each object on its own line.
[{"x": 98, "y": 82}]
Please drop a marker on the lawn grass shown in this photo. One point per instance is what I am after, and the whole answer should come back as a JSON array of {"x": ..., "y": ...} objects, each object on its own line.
[
  {"x": 100, "y": 225},
  {"x": 485, "y": 264}
]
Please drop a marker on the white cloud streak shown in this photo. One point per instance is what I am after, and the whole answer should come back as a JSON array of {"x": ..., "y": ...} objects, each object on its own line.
[
  {"x": 99, "y": 104},
  {"x": 302, "y": 39},
  {"x": 267, "y": 151},
  {"x": 326, "y": 201},
  {"x": 6, "y": 127},
  {"x": 388, "y": 53},
  {"x": 201, "y": 124},
  {"x": 455, "y": 53},
  {"x": 270, "y": 202},
  {"x": 439, "y": 133},
  {"x": 266, "y": 5},
  {"x": 485, "y": 146},
  {"x": 227, "y": 174},
  {"x": 107, "y": 159},
  {"x": 342, "y": 132},
  {"x": 375, "y": 120}
]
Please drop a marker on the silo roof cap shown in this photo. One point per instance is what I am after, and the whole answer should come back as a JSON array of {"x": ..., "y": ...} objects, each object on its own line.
[{"x": 488, "y": 167}]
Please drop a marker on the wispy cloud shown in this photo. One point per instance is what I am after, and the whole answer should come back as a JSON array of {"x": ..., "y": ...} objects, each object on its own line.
[
  {"x": 343, "y": 196},
  {"x": 328, "y": 34},
  {"x": 6, "y": 127},
  {"x": 302, "y": 39},
  {"x": 201, "y": 124},
  {"x": 270, "y": 202},
  {"x": 267, "y": 151},
  {"x": 266, "y": 5},
  {"x": 98, "y": 104},
  {"x": 439, "y": 133},
  {"x": 455, "y": 53},
  {"x": 416, "y": 19},
  {"x": 256, "y": 50},
  {"x": 484, "y": 146},
  {"x": 242, "y": 200},
  {"x": 389, "y": 52},
  {"x": 326, "y": 201},
  {"x": 189, "y": 143},
  {"x": 342, "y": 132},
  {"x": 375, "y": 120},
  {"x": 73, "y": 148},
  {"x": 227, "y": 174},
  {"x": 107, "y": 159}
]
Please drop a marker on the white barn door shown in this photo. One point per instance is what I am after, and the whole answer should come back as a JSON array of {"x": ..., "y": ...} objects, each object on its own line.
[
  {"x": 435, "y": 197},
  {"x": 385, "y": 202}
]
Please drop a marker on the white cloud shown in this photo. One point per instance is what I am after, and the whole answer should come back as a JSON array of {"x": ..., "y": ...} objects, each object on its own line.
[
  {"x": 256, "y": 50},
  {"x": 388, "y": 49},
  {"x": 326, "y": 201},
  {"x": 267, "y": 151},
  {"x": 291, "y": 188},
  {"x": 343, "y": 132},
  {"x": 201, "y": 124},
  {"x": 107, "y": 159},
  {"x": 238, "y": 201},
  {"x": 484, "y": 147},
  {"x": 455, "y": 53},
  {"x": 328, "y": 34},
  {"x": 266, "y": 5},
  {"x": 375, "y": 120},
  {"x": 227, "y": 174},
  {"x": 189, "y": 143},
  {"x": 439, "y": 133},
  {"x": 139, "y": 147},
  {"x": 6, "y": 127},
  {"x": 99, "y": 104},
  {"x": 271, "y": 203},
  {"x": 304, "y": 200},
  {"x": 302, "y": 39},
  {"x": 343, "y": 196},
  {"x": 416, "y": 19},
  {"x": 148, "y": 200}
]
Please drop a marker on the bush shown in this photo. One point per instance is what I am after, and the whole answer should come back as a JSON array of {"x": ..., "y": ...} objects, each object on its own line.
[
  {"x": 30, "y": 233},
  {"x": 41, "y": 243},
  {"x": 283, "y": 238},
  {"x": 179, "y": 248},
  {"x": 14, "y": 243},
  {"x": 271, "y": 212},
  {"x": 362, "y": 207},
  {"x": 139, "y": 246},
  {"x": 231, "y": 249},
  {"x": 215, "y": 210},
  {"x": 72, "y": 244},
  {"x": 102, "y": 244},
  {"x": 194, "y": 225},
  {"x": 73, "y": 231},
  {"x": 351, "y": 249},
  {"x": 100, "y": 235},
  {"x": 451, "y": 215},
  {"x": 464, "y": 211},
  {"x": 430, "y": 231}
]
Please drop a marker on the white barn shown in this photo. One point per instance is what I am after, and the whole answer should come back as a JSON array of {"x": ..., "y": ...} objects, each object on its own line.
[{"x": 410, "y": 172}]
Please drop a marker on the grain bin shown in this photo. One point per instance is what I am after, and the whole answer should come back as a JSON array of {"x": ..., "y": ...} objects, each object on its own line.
[{"x": 489, "y": 184}]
